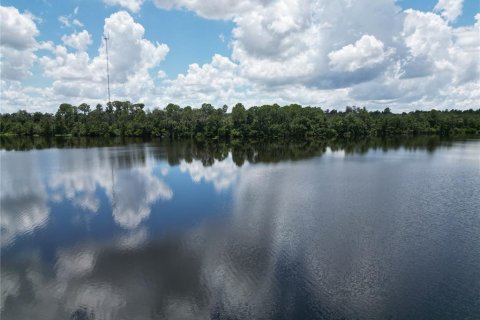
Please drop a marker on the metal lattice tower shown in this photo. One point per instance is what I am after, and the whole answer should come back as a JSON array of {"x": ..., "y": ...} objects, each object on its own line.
[{"x": 108, "y": 71}]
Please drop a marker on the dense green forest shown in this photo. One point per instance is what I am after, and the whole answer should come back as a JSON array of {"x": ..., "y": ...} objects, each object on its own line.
[{"x": 207, "y": 122}]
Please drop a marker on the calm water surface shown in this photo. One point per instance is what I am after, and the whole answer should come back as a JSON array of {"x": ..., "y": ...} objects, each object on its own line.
[{"x": 179, "y": 231}]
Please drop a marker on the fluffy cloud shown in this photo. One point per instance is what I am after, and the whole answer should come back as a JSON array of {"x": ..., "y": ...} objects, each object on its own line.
[
  {"x": 18, "y": 30},
  {"x": 220, "y": 78},
  {"x": 132, "y": 5},
  {"x": 17, "y": 44},
  {"x": 284, "y": 42},
  {"x": 448, "y": 51},
  {"x": 79, "y": 41},
  {"x": 129, "y": 51},
  {"x": 300, "y": 51},
  {"x": 280, "y": 51},
  {"x": 221, "y": 82},
  {"x": 449, "y": 9},
  {"x": 213, "y": 9},
  {"x": 15, "y": 96},
  {"x": 426, "y": 34},
  {"x": 131, "y": 56},
  {"x": 366, "y": 52},
  {"x": 289, "y": 41},
  {"x": 283, "y": 45}
]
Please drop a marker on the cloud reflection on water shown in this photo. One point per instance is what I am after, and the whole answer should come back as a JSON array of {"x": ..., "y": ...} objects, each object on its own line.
[
  {"x": 132, "y": 194},
  {"x": 222, "y": 174},
  {"x": 23, "y": 199},
  {"x": 126, "y": 176},
  {"x": 77, "y": 176},
  {"x": 305, "y": 238}
]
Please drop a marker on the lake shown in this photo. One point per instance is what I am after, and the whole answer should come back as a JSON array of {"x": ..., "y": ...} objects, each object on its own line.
[{"x": 115, "y": 229}]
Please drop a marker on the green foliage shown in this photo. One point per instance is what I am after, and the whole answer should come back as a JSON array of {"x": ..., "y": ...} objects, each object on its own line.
[{"x": 126, "y": 119}]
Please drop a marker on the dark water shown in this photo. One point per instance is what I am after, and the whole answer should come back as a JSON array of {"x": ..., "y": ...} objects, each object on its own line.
[{"x": 367, "y": 230}]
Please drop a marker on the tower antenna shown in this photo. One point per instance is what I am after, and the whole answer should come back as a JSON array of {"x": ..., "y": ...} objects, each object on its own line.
[{"x": 108, "y": 71}]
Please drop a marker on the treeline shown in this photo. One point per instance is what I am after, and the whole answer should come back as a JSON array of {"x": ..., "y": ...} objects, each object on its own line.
[{"x": 125, "y": 119}]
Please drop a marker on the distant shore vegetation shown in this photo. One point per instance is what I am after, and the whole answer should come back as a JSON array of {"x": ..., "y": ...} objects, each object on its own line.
[{"x": 126, "y": 119}]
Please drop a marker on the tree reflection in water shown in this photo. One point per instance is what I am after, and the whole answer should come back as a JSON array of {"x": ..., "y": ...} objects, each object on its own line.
[{"x": 163, "y": 229}]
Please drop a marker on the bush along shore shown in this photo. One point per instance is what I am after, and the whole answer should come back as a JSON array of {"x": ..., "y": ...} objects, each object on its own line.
[{"x": 126, "y": 119}]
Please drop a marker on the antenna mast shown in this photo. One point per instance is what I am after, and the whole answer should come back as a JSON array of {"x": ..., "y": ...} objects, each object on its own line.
[{"x": 108, "y": 71}]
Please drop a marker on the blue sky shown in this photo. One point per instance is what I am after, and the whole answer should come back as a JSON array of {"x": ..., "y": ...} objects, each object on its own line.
[{"x": 248, "y": 52}]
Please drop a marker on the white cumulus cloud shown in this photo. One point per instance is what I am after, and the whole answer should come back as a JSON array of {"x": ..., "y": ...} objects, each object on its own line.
[
  {"x": 218, "y": 79},
  {"x": 79, "y": 41},
  {"x": 328, "y": 53},
  {"x": 366, "y": 52},
  {"x": 131, "y": 56},
  {"x": 449, "y": 9},
  {"x": 213, "y": 9},
  {"x": 17, "y": 43},
  {"x": 131, "y": 5}
]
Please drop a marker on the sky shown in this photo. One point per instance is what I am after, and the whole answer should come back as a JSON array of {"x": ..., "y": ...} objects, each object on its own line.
[{"x": 403, "y": 54}]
